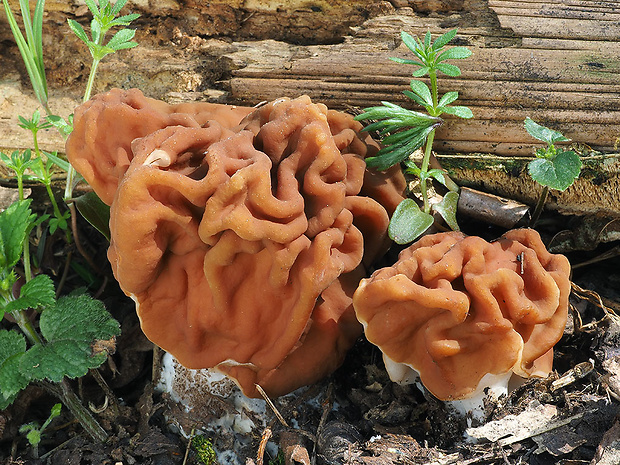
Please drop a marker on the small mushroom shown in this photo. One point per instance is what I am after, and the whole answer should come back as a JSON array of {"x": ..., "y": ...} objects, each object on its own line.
[
  {"x": 462, "y": 314},
  {"x": 242, "y": 244}
]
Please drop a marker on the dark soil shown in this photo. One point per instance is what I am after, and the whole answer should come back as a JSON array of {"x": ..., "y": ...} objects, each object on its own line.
[{"x": 357, "y": 416}]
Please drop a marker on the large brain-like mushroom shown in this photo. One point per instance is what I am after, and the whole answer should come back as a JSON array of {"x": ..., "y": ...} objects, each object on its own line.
[
  {"x": 456, "y": 309},
  {"x": 242, "y": 246}
]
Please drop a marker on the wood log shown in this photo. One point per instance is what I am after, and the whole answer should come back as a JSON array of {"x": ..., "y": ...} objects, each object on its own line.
[{"x": 557, "y": 62}]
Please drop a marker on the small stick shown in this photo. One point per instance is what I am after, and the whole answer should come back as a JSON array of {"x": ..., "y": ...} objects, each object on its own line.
[{"x": 272, "y": 406}]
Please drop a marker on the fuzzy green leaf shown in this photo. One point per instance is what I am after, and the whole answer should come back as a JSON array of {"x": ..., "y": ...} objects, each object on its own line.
[
  {"x": 448, "y": 69},
  {"x": 78, "y": 30},
  {"x": 422, "y": 90},
  {"x": 408, "y": 222},
  {"x": 558, "y": 172},
  {"x": 543, "y": 133},
  {"x": 405, "y": 61},
  {"x": 447, "y": 209},
  {"x": 393, "y": 154},
  {"x": 15, "y": 223},
  {"x": 421, "y": 72},
  {"x": 447, "y": 99},
  {"x": 454, "y": 53},
  {"x": 121, "y": 37},
  {"x": 417, "y": 99},
  {"x": 461, "y": 112},
  {"x": 70, "y": 327},
  {"x": 36, "y": 293},
  {"x": 12, "y": 348},
  {"x": 443, "y": 39}
]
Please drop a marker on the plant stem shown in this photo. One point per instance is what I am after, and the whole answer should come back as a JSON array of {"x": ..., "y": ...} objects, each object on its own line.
[
  {"x": 26, "y": 326},
  {"x": 64, "y": 392},
  {"x": 539, "y": 207},
  {"x": 424, "y": 168}
]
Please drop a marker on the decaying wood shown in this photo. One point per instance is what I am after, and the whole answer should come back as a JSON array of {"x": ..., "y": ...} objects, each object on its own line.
[
  {"x": 595, "y": 192},
  {"x": 492, "y": 209},
  {"x": 556, "y": 62}
]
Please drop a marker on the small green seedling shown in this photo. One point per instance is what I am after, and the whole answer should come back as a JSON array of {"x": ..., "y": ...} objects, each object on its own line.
[
  {"x": 34, "y": 432},
  {"x": 553, "y": 168},
  {"x": 49, "y": 339},
  {"x": 403, "y": 131}
]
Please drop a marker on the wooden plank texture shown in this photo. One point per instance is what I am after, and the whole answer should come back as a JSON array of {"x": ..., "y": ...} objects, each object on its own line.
[{"x": 536, "y": 64}]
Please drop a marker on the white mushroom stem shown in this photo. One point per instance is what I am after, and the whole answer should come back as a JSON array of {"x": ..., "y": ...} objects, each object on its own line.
[{"x": 490, "y": 389}]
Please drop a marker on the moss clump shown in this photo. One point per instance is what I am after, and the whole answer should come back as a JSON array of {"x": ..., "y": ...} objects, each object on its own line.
[{"x": 204, "y": 450}]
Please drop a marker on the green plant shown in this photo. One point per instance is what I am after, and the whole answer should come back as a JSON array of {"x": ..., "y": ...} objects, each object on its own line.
[
  {"x": 34, "y": 431},
  {"x": 56, "y": 336},
  {"x": 553, "y": 168},
  {"x": 204, "y": 450},
  {"x": 403, "y": 131}
]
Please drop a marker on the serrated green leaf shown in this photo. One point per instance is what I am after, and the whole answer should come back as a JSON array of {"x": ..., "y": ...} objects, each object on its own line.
[
  {"x": 12, "y": 348},
  {"x": 443, "y": 39},
  {"x": 422, "y": 90},
  {"x": 78, "y": 318},
  {"x": 448, "y": 69},
  {"x": 448, "y": 98},
  {"x": 556, "y": 173},
  {"x": 460, "y": 111},
  {"x": 454, "y": 53},
  {"x": 69, "y": 328},
  {"x": 543, "y": 133},
  {"x": 408, "y": 222},
  {"x": 36, "y": 293},
  {"x": 54, "y": 361},
  {"x": 15, "y": 223},
  {"x": 447, "y": 209}
]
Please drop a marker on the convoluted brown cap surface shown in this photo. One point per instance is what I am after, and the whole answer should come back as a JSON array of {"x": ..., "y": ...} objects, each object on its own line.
[
  {"x": 243, "y": 247},
  {"x": 104, "y": 127},
  {"x": 455, "y": 308}
]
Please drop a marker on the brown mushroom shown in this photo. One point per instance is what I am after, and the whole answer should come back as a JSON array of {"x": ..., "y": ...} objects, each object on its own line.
[
  {"x": 455, "y": 309},
  {"x": 104, "y": 127},
  {"x": 242, "y": 246}
]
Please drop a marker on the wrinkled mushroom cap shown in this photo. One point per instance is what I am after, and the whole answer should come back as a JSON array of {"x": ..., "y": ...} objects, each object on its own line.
[
  {"x": 242, "y": 247},
  {"x": 99, "y": 147},
  {"x": 456, "y": 308}
]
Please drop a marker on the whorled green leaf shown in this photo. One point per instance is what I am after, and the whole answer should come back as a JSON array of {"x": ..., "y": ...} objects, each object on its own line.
[
  {"x": 408, "y": 222},
  {"x": 447, "y": 209},
  {"x": 442, "y": 40},
  {"x": 558, "y": 172},
  {"x": 97, "y": 213},
  {"x": 447, "y": 98},
  {"x": 454, "y": 53},
  {"x": 460, "y": 111},
  {"x": 78, "y": 30},
  {"x": 12, "y": 348},
  {"x": 37, "y": 293},
  {"x": 543, "y": 133},
  {"x": 422, "y": 90},
  {"x": 390, "y": 155},
  {"x": 69, "y": 328},
  {"x": 448, "y": 69}
]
